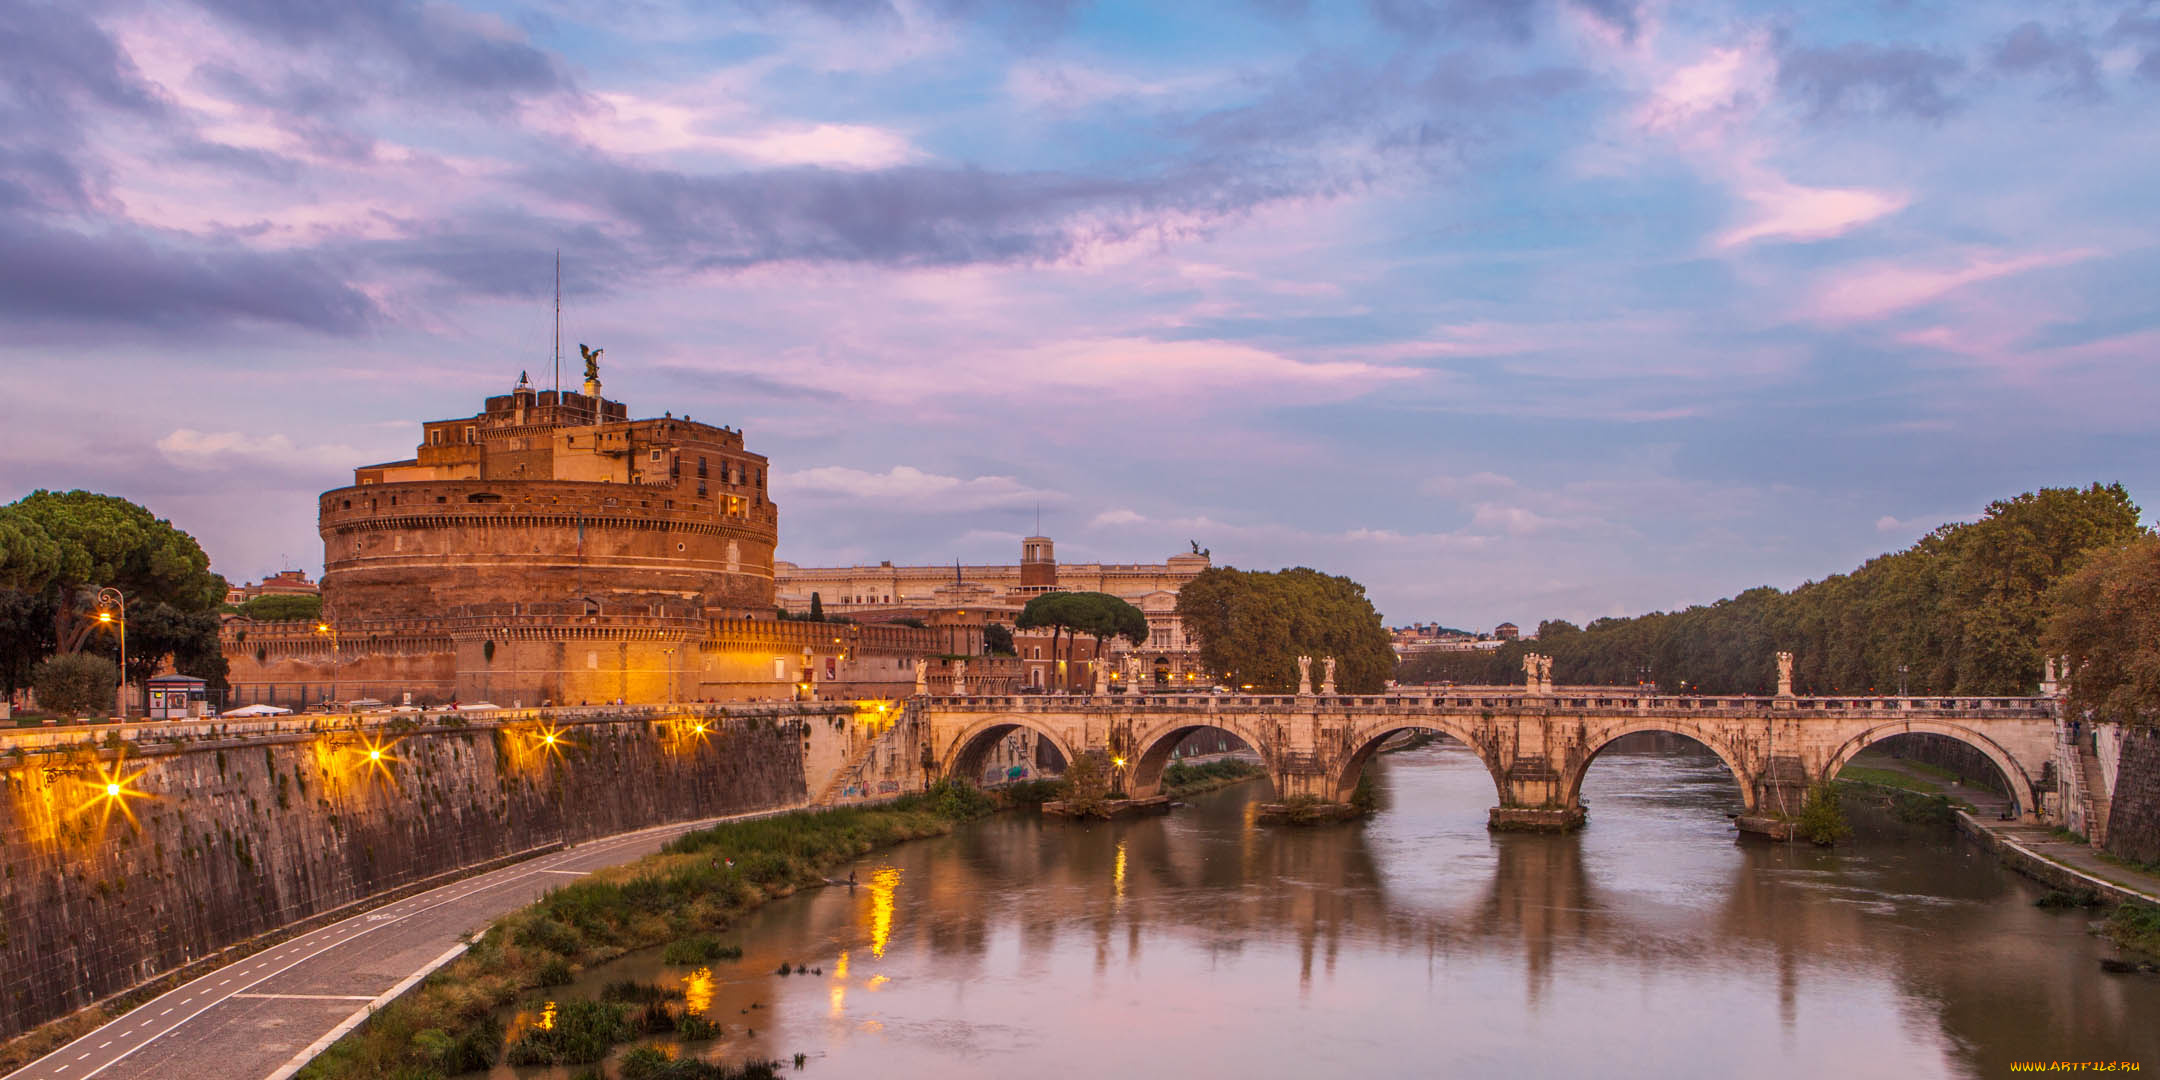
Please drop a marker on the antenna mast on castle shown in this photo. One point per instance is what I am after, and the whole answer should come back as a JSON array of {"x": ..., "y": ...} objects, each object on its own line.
[{"x": 558, "y": 326}]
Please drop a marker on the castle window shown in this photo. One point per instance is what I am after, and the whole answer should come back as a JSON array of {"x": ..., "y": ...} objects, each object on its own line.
[
  {"x": 701, "y": 473},
  {"x": 472, "y": 434},
  {"x": 701, "y": 489},
  {"x": 483, "y": 497},
  {"x": 656, "y": 455},
  {"x": 434, "y": 437}
]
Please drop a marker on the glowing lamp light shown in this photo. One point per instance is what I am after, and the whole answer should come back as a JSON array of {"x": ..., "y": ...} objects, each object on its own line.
[
  {"x": 112, "y": 791},
  {"x": 374, "y": 755},
  {"x": 548, "y": 738},
  {"x": 104, "y": 616},
  {"x": 1119, "y": 762}
]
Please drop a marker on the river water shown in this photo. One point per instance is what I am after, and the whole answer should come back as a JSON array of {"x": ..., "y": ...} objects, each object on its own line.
[{"x": 1651, "y": 943}]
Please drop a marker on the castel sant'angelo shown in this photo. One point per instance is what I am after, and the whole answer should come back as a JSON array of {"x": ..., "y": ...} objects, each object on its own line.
[{"x": 552, "y": 550}]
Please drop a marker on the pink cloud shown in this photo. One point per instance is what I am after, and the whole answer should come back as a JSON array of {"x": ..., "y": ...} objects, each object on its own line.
[
  {"x": 1785, "y": 210},
  {"x": 1879, "y": 289}
]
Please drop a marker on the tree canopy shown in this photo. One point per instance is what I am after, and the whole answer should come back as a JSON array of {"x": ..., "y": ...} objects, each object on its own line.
[
  {"x": 1961, "y": 611},
  {"x": 55, "y": 547},
  {"x": 1253, "y": 625},
  {"x": 2107, "y": 622},
  {"x": 286, "y": 608}
]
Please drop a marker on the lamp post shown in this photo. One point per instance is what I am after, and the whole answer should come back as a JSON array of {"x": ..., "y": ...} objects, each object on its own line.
[
  {"x": 1902, "y": 669},
  {"x": 112, "y": 611},
  {"x": 326, "y": 628}
]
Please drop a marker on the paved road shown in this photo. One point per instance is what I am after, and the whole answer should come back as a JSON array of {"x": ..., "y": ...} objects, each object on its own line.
[{"x": 249, "y": 1019}]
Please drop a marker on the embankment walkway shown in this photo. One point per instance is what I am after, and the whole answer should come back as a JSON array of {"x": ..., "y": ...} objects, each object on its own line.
[{"x": 267, "y": 1014}]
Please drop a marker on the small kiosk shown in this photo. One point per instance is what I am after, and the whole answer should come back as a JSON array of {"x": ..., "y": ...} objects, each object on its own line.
[{"x": 178, "y": 697}]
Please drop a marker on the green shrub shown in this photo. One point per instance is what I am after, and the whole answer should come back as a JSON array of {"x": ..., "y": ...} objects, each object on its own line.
[
  {"x": 1031, "y": 792},
  {"x": 633, "y": 992},
  {"x": 696, "y": 1028},
  {"x": 1821, "y": 821},
  {"x": 555, "y": 972},
  {"x": 1365, "y": 799},
  {"x": 952, "y": 799},
  {"x": 699, "y": 949},
  {"x": 581, "y": 1034},
  {"x": 2136, "y": 926},
  {"x": 543, "y": 932},
  {"x": 2057, "y": 898},
  {"x": 282, "y": 608},
  {"x": 75, "y": 684}
]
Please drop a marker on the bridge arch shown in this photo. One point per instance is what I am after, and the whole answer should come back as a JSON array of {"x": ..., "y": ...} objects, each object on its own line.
[
  {"x": 1152, "y": 747},
  {"x": 964, "y": 757},
  {"x": 2013, "y": 774},
  {"x": 1363, "y": 742},
  {"x": 1599, "y": 740}
]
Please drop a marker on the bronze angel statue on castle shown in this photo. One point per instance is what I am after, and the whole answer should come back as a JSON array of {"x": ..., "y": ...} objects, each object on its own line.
[{"x": 592, "y": 361}]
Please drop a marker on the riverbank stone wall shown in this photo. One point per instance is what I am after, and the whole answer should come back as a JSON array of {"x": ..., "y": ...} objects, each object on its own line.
[
  {"x": 219, "y": 837},
  {"x": 2134, "y": 812}
]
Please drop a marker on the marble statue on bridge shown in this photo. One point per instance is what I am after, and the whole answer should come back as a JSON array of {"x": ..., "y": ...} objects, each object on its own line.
[
  {"x": 959, "y": 678},
  {"x": 922, "y": 676},
  {"x": 1327, "y": 678},
  {"x": 1304, "y": 676},
  {"x": 1784, "y": 675}
]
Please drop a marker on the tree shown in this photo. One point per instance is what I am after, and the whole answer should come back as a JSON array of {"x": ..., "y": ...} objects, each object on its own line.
[
  {"x": 76, "y": 684},
  {"x": 56, "y": 548},
  {"x": 1087, "y": 784},
  {"x": 1961, "y": 611},
  {"x": 998, "y": 640},
  {"x": 1055, "y": 610},
  {"x": 817, "y": 608},
  {"x": 2106, "y": 620},
  {"x": 1253, "y": 625},
  {"x": 289, "y": 608},
  {"x": 1102, "y": 616}
]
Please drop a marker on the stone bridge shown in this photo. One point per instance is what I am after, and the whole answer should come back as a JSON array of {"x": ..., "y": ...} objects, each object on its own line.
[{"x": 1536, "y": 741}]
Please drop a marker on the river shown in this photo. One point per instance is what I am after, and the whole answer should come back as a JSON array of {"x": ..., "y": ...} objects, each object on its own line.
[{"x": 1651, "y": 943}]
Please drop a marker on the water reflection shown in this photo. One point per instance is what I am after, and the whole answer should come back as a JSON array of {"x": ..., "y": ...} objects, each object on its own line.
[
  {"x": 1652, "y": 943},
  {"x": 882, "y": 885},
  {"x": 698, "y": 991}
]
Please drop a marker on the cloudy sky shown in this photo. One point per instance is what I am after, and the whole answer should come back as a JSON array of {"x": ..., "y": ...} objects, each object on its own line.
[{"x": 1508, "y": 308}]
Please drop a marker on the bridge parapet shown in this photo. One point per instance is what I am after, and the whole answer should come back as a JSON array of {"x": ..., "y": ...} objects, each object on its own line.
[
  {"x": 1536, "y": 742},
  {"x": 1570, "y": 700}
]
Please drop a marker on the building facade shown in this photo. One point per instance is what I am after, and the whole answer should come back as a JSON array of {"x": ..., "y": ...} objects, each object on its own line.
[
  {"x": 998, "y": 592},
  {"x": 552, "y": 549}
]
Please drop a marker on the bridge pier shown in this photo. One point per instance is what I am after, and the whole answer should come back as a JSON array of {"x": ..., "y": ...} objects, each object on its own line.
[{"x": 1554, "y": 819}]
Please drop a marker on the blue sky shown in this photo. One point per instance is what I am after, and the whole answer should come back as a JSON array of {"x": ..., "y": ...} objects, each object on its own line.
[{"x": 1510, "y": 310}]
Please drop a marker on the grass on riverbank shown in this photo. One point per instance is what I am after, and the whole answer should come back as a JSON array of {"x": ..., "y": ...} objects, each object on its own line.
[
  {"x": 1180, "y": 779},
  {"x": 686, "y": 889},
  {"x": 2135, "y": 926},
  {"x": 1909, "y": 805}
]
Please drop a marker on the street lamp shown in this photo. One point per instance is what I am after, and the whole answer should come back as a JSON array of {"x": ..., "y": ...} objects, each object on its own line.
[
  {"x": 112, "y": 611},
  {"x": 1902, "y": 669}
]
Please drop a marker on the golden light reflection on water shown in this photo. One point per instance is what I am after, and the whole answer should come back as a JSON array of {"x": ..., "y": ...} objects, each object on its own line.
[
  {"x": 882, "y": 884},
  {"x": 697, "y": 991},
  {"x": 1117, "y": 873},
  {"x": 546, "y": 1022},
  {"x": 839, "y": 985}
]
